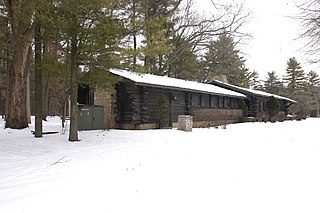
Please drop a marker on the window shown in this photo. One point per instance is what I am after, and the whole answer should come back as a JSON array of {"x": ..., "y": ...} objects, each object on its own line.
[
  {"x": 227, "y": 103},
  {"x": 203, "y": 100},
  {"x": 235, "y": 103},
  {"x": 196, "y": 100},
  {"x": 214, "y": 101},
  {"x": 221, "y": 102}
]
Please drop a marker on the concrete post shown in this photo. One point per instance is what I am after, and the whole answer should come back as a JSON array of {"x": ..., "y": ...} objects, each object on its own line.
[{"x": 185, "y": 123}]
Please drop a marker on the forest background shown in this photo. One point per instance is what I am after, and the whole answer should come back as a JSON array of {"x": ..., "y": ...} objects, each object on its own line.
[{"x": 49, "y": 47}]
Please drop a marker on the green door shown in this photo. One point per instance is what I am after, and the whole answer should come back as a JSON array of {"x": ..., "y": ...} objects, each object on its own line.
[
  {"x": 84, "y": 117},
  {"x": 97, "y": 117}
]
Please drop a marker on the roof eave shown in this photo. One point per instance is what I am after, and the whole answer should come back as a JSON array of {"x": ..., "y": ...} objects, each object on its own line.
[{"x": 186, "y": 89}]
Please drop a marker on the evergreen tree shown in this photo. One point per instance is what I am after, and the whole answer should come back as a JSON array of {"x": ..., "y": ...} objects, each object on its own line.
[
  {"x": 313, "y": 79},
  {"x": 92, "y": 36},
  {"x": 254, "y": 81},
  {"x": 19, "y": 15},
  {"x": 222, "y": 57},
  {"x": 313, "y": 88},
  {"x": 157, "y": 20},
  {"x": 273, "y": 84},
  {"x": 151, "y": 21},
  {"x": 294, "y": 76},
  {"x": 185, "y": 64},
  {"x": 297, "y": 87},
  {"x": 132, "y": 12},
  {"x": 273, "y": 106}
]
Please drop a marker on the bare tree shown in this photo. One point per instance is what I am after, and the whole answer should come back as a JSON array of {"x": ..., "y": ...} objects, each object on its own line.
[
  {"x": 224, "y": 18},
  {"x": 309, "y": 18},
  {"x": 198, "y": 30}
]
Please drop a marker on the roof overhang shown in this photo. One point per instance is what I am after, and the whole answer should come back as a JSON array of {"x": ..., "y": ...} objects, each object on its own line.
[
  {"x": 149, "y": 80},
  {"x": 250, "y": 92}
]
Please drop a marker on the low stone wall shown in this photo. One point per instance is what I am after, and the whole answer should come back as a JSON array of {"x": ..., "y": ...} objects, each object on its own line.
[
  {"x": 139, "y": 126},
  {"x": 201, "y": 118},
  {"x": 215, "y": 117}
]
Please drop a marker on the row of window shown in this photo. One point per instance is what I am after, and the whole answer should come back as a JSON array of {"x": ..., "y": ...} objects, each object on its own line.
[{"x": 211, "y": 101}]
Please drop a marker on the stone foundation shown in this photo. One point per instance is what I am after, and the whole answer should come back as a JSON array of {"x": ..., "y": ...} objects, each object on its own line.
[{"x": 139, "y": 126}]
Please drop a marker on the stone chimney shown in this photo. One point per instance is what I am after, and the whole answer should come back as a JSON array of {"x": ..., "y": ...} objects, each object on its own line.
[{"x": 220, "y": 77}]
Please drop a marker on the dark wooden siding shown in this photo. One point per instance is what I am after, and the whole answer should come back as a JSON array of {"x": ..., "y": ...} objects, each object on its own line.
[
  {"x": 178, "y": 104},
  {"x": 140, "y": 105},
  {"x": 153, "y": 104},
  {"x": 129, "y": 102}
]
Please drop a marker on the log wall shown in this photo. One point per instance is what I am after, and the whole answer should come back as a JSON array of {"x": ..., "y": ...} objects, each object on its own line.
[{"x": 138, "y": 107}]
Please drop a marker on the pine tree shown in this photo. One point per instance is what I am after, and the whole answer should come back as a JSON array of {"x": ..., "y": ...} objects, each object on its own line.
[
  {"x": 254, "y": 81},
  {"x": 222, "y": 57},
  {"x": 185, "y": 64},
  {"x": 297, "y": 87},
  {"x": 313, "y": 78},
  {"x": 313, "y": 87},
  {"x": 20, "y": 20},
  {"x": 273, "y": 106},
  {"x": 151, "y": 22},
  {"x": 92, "y": 35},
  {"x": 157, "y": 15},
  {"x": 294, "y": 76},
  {"x": 273, "y": 84}
]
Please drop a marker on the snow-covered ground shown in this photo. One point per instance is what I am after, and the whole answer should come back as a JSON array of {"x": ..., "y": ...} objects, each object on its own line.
[{"x": 249, "y": 167}]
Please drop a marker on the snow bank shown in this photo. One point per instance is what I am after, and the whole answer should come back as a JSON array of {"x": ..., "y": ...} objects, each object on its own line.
[{"x": 249, "y": 167}]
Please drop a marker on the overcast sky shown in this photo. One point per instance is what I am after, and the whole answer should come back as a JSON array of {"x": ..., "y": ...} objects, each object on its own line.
[{"x": 273, "y": 35}]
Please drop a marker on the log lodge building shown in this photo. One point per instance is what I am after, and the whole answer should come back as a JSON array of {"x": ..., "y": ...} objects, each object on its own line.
[{"x": 145, "y": 101}]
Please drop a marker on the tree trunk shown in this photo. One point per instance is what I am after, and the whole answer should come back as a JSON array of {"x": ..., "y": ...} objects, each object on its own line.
[
  {"x": 28, "y": 85},
  {"x": 45, "y": 85},
  {"x": 73, "y": 133},
  {"x": 17, "y": 117},
  {"x": 2, "y": 100},
  {"x": 134, "y": 30},
  {"x": 21, "y": 37},
  {"x": 45, "y": 96},
  {"x": 38, "y": 82},
  {"x": 28, "y": 99},
  {"x": 63, "y": 115}
]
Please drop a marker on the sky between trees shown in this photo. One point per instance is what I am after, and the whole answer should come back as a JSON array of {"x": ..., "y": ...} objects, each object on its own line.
[{"x": 274, "y": 35}]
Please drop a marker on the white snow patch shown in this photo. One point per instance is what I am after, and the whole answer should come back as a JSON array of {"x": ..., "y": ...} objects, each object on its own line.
[
  {"x": 155, "y": 80},
  {"x": 249, "y": 167}
]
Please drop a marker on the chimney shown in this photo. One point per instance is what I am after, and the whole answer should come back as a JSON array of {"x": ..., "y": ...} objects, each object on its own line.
[{"x": 220, "y": 77}]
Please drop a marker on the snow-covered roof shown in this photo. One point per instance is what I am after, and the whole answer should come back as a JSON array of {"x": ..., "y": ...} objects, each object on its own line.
[
  {"x": 253, "y": 91},
  {"x": 164, "y": 81}
]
